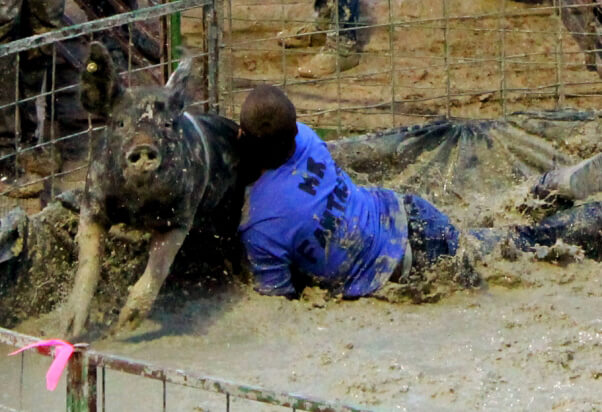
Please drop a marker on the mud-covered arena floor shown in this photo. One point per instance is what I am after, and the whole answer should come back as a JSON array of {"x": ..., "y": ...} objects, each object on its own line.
[{"x": 531, "y": 339}]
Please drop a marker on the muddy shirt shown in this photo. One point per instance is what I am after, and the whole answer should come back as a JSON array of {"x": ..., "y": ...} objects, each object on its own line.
[{"x": 309, "y": 215}]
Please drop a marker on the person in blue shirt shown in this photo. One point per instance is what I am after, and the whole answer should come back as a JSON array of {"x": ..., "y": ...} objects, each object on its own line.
[{"x": 304, "y": 216}]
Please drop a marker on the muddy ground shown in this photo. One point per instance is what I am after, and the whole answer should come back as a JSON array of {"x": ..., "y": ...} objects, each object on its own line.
[{"x": 530, "y": 340}]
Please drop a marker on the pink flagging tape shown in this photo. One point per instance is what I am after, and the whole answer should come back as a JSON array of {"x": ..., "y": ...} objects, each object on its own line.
[{"x": 62, "y": 354}]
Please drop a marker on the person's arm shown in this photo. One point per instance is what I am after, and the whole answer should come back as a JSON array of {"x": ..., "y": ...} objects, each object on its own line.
[{"x": 270, "y": 265}]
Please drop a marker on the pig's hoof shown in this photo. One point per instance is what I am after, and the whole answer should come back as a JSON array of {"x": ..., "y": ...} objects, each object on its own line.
[
  {"x": 129, "y": 319},
  {"x": 72, "y": 323}
]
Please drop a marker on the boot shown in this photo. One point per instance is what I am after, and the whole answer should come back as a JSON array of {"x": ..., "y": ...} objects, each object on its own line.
[
  {"x": 325, "y": 62},
  {"x": 301, "y": 36},
  {"x": 574, "y": 183}
]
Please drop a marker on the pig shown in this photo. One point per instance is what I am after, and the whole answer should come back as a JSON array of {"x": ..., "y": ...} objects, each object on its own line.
[{"x": 161, "y": 167}]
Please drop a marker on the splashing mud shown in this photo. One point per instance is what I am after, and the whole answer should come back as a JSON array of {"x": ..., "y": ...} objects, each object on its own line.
[{"x": 529, "y": 337}]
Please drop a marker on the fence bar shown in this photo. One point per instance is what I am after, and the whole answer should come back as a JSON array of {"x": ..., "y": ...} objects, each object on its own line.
[
  {"x": 447, "y": 58},
  {"x": 53, "y": 150},
  {"x": 189, "y": 379},
  {"x": 99, "y": 25},
  {"x": 283, "y": 47},
  {"x": 559, "y": 57},
  {"x": 230, "y": 60},
  {"x": 338, "y": 66},
  {"x": 213, "y": 59},
  {"x": 92, "y": 386},
  {"x": 21, "y": 379},
  {"x": 175, "y": 36},
  {"x": 12, "y": 338},
  {"x": 17, "y": 113},
  {"x": 130, "y": 45},
  {"x": 392, "y": 61},
  {"x": 164, "y": 384},
  {"x": 502, "y": 27},
  {"x": 104, "y": 388},
  {"x": 76, "y": 379},
  {"x": 83, "y": 357}
]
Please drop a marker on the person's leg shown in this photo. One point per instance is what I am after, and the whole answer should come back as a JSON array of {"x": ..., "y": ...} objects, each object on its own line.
[
  {"x": 432, "y": 236},
  {"x": 430, "y": 232},
  {"x": 348, "y": 15},
  {"x": 574, "y": 183},
  {"x": 579, "y": 225}
]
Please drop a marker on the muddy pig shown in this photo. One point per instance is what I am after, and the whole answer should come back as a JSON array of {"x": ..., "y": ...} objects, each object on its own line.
[{"x": 160, "y": 167}]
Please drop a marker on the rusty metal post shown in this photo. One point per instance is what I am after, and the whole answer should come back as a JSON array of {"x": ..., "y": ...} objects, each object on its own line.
[
  {"x": 446, "y": 51},
  {"x": 92, "y": 385},
  {"x": 76, "y": 380},
  {"x": 212, "y": 38},
  {"x": 164, "y": 46}
]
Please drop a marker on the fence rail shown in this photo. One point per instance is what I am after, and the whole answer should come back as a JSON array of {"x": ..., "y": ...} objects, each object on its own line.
[
  {"x": 83, "y": 390},
  {"x": 78, "y": 30}
]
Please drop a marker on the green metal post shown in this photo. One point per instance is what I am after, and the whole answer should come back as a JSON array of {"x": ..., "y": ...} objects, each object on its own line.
[
  {"x": 175, "y": 37},
  {"x": 76, "y": 380}
]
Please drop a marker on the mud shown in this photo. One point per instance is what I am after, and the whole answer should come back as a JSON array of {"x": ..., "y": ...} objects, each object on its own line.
[{"x": 529, "y": 339}]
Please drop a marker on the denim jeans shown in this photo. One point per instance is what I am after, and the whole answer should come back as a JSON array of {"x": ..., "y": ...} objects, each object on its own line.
[{"x": 348, "y": 13}]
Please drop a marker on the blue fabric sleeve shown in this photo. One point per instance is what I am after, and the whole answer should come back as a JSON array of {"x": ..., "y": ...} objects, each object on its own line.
[{"x": 270, "y": 264}]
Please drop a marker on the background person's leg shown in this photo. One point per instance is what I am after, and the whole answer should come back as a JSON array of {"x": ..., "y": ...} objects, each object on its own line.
[{"x": 348, "y": 20}]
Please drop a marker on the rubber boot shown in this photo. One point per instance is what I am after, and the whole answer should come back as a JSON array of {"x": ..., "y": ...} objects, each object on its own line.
[{"x": 301, "y": 36}]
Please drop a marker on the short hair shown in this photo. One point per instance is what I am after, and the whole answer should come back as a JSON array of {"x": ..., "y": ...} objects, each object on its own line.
[{"x": 269, "y": 119}]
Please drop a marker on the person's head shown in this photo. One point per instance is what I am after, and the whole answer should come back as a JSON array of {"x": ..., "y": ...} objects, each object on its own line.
[{"x": 268, "y": 122}]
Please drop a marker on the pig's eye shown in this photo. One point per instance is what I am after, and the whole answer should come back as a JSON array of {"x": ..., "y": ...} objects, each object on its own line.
[
  {"x": 168, "y": 124},
  {"x": 121, "y": 123}
]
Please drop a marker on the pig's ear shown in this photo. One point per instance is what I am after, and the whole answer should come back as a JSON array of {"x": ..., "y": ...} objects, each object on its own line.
[
  {"x": 100, "y": 85},
  {"x": 176, "y": 85}
]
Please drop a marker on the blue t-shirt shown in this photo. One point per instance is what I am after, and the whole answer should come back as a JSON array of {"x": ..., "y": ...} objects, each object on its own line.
[{"x": 308, "y": 214}]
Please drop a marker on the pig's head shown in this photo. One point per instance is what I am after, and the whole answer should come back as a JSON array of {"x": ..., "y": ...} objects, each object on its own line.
[{"x": 143, "y": 137}]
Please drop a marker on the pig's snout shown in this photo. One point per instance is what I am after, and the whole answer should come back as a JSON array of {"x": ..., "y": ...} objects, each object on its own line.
[{"x": 143, "y": 158}]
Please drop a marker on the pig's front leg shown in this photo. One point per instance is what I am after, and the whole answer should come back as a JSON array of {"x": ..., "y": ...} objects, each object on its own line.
[
  {"x": 75, "y": 313},
  {"x": 163, "y": 250}
]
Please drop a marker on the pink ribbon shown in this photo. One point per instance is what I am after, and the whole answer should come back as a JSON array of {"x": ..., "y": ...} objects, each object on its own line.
[{"x": 62, "y": 353}]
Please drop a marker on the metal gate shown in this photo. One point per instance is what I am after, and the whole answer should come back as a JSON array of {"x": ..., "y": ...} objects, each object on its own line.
[{"x": 86, "y": 381}]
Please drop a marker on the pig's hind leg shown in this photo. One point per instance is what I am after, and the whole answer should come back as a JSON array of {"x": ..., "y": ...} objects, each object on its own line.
[{"x": 163, "y": 250}]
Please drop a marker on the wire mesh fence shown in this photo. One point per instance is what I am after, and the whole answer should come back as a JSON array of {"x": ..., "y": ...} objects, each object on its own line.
[
  {"x": 44, "y": 130},
  {"x": 350, "y": 67},
  {"x": 419, "y": 59}
]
